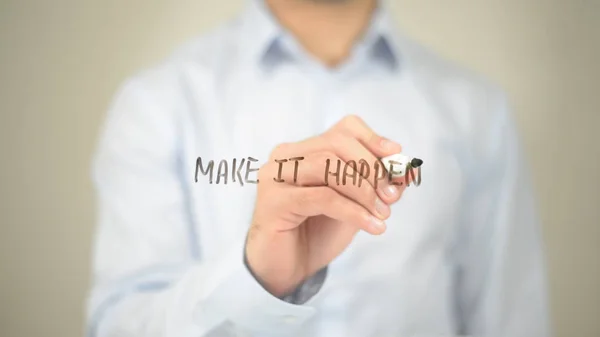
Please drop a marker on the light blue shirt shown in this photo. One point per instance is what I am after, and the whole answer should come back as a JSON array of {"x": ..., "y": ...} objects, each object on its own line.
[{"x": 462, "y": 254}]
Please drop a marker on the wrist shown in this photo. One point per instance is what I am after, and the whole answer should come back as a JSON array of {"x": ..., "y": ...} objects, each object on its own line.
[{"x": 278, "y": 275}]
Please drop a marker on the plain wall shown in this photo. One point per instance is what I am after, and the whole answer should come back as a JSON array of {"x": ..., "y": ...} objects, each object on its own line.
[{"x": 62, "y": 60}]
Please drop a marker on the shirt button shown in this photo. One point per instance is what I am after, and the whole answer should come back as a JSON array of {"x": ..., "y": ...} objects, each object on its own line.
[{"x": 289, "y": 319}]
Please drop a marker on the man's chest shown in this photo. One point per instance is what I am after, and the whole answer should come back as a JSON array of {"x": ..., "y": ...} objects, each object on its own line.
[{"x": 237, "y": 129}]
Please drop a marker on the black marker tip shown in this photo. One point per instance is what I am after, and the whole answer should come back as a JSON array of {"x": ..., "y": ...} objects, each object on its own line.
[{"x": 416, "y": 162}]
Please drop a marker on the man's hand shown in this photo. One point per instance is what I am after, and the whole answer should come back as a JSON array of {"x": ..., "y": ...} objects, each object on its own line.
[{"x": 300, "y": 227}]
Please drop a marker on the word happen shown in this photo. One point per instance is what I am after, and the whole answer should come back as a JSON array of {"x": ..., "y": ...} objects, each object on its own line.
[{"x": 351, "y": 172}]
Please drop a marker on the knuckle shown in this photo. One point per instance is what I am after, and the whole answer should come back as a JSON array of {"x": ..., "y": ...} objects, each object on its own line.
[
  {"x": 327, "y": 135},
  {"x": 280, "y": 149},
  {"x": 351, "y": 120}
]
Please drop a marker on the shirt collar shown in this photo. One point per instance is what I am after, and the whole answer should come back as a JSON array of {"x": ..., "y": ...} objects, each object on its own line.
[{"x": 262, "y": 36}]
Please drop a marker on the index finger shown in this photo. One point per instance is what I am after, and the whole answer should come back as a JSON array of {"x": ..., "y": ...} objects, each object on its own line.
[{"x": 355, "y": 127}]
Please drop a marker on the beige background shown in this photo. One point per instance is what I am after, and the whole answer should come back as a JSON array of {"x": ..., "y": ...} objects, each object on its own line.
[{"x": 61, "y": 61}]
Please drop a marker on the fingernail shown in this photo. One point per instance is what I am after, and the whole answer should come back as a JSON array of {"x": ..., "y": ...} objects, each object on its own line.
[
  {"x": 382, "y": 208},
  {"x": 391, "y": 191},
  {"x": 377, "y": 225}
]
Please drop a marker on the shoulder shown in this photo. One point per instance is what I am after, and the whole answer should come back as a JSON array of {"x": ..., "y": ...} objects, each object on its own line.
[
  {"x": 447, "y": 81},
  {"x": 153, "y": 102},
  {"x": 202, "y": 57}
]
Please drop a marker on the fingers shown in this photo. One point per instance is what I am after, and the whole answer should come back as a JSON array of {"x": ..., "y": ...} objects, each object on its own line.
[
  {"x": 349, "y": 127},
  {"x": 355, "y": 127},
  {"x": 379, "y": 146},
  {"x": 310, "y": 172},
  {"x": 352, "y": 150},
  {"x": 351, "y": 140},
  {"x": 313, "y": 201}
]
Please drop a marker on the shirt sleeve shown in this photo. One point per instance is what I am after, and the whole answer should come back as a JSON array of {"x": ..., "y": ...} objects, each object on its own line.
[
  {"x": 501, "y": 282},
  {"x": 149, "y": 278}
]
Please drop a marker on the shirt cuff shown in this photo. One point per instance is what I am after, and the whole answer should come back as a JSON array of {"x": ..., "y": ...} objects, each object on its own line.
[
  {"x": 238, "y": 297},
  {"x": 304, "y": 292},
  {"x": 308, "y": 289}
]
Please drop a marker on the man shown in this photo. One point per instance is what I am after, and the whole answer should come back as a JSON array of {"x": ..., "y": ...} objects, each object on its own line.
[{"x": 292, "y": 87}]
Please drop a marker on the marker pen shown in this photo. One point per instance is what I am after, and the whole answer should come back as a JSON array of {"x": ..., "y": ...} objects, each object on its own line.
[{"x": 402, "y": 165}]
